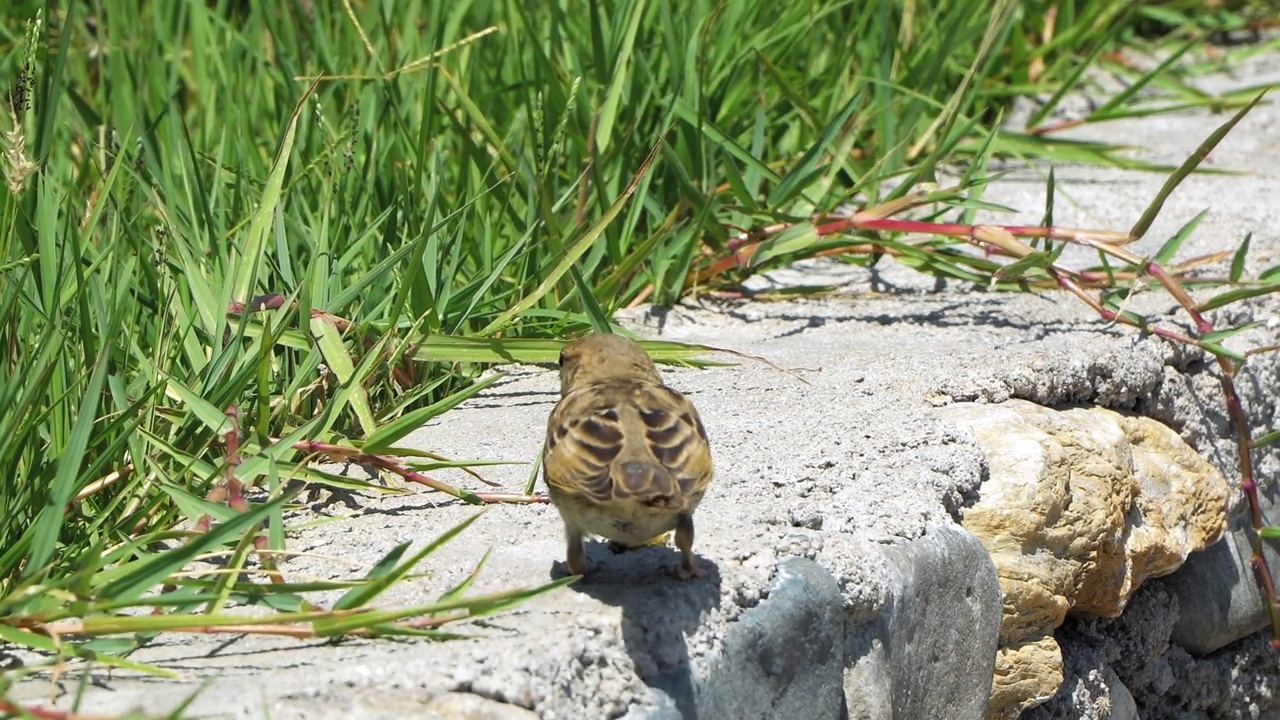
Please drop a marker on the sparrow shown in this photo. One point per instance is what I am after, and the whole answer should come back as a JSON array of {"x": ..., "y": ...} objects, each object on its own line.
[{"x": 626, "y": 457}]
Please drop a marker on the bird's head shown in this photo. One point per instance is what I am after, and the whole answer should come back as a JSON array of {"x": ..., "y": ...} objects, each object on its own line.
[{"x": 597, "y": 358}]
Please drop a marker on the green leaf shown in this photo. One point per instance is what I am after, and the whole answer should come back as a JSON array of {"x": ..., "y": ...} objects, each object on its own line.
[
  {"x": 798, "y": 179},
  {"x": 599, "y": 321},
  {"x": 1173, "y": 244},
  {"x": 1223, "y": 351},
  {"x": 1217, "y": 336},
  {"x": 1186, "y": 168},
  {"x": 380, "y": 569},
  {"x": 384, "y": 575},
  {"x": 794, "y": 239},
  {"x": 1019, "y": 268},
  {"x": 154, "y": 570},
  {"x": 253, "y": 252},
  {"x": 195, "y": 507},
  {"x": 1132, "y": 89},
  {"x": 617, "y": 85},
  {"x": 1235, "y": 295},
  {"x": 48, "y": 523},
  {"x": 1267, "y": 439},
  {"x": 339, "y": 360},
  {"x": 316, "y": 476},
  {"x": 45, "y": 644},
  {"x": 212, "y": 418},
  {"x": 456, "y": 591},
  {"x": 717, "y": 136},
  {"x": 1050, "y": 196},
  {"x": 443, "y": 348},
  {"x": 473, "y": 607},
  {"x": 1237, "y": 260},
  {"x": 575, "y": 251},
  {"x": 1072, "y": 81}
]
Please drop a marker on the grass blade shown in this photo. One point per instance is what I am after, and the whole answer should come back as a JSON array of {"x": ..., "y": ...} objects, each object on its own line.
[
  {"x": 1188, "y": 166},
  {"x": 385, "y": 577}
]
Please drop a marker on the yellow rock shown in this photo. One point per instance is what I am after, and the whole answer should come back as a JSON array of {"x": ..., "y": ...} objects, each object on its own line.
[{"x": 1080, "y": 508}]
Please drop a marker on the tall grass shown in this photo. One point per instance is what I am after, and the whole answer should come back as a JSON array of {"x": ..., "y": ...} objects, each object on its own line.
[{"x": 232, "y": 232}]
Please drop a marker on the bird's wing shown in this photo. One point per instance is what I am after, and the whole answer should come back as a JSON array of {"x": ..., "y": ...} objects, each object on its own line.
[
  {"x": 625, "y": 422},
  {"x": 584, "y": 436},
  {"x": 673, "y": 435}
]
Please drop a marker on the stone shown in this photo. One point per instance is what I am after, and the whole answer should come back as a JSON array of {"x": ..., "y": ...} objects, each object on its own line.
[
  {"x": 782, "y": 659},
  {"x": 1081, "y": 507},
  {"x": 941, "y": 623},
  {"x": 1218, "y": 591},
  {"x": 1121, "y": 705}
]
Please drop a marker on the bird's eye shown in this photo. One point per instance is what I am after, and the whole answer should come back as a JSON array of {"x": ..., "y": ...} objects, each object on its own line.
[{"x": 562, "y": 359}]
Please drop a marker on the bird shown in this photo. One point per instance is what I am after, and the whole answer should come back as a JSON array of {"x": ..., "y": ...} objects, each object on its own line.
[{"x": 626, "y": 457}]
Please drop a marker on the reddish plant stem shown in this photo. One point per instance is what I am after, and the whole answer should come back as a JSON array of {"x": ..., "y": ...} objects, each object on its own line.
[
  {"x": 235, "y": 489},
  {"x": 1112, "y": 316},
  {"x": 1180, "y": 294},
  {"x": 1250, "y": 487},
  {"x": 1235, "y": 410},
  {"x": 397, "y": 467},
  {"x": 8, "y": 708},
  {"x": 958, "y": 230},
  {"x": 230, "y": 490}
]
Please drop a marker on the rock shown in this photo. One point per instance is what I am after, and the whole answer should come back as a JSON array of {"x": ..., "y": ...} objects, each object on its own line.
[
  {"x": 941, "y": 622},
  {"x": 1121, "y": 705},
  {"x": 787, "y": 657},
  {"x": 1099, "y": 694},
  {"x": 1091, "y": 689},
  {"x": 1081, "y": 507},
  {"x": 782, "y": 659},
  {"x": 1218, "y": 592}
]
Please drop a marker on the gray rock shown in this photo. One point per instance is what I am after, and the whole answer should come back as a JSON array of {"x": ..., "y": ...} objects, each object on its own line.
[
  {"x": 940, "y": 623},
  {"x": 1215, "y": 602},
  {"x": 1123, "y": 706},
  {"x": 782, "y": 659},
  {"x": 785, "y": 658},
  {"x": 1218, "y": 591}
]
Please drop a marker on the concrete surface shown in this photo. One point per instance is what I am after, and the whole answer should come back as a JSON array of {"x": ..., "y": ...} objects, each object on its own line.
[{"x": 836, "y": 581}]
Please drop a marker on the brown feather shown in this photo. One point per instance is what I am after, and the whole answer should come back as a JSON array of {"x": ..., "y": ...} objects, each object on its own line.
[{"x": 626, "y": 457}]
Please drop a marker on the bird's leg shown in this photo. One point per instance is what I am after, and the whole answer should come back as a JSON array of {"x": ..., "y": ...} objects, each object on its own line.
[
  {"x": 684, "y": 541},
  {"x": 576, "y": 556}
]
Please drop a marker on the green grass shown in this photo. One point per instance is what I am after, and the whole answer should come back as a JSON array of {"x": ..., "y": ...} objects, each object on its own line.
[{"x": 331, "y": 217}]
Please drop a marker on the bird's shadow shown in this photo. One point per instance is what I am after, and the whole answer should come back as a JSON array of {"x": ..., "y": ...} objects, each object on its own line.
[{"x": 659, "y": 611}]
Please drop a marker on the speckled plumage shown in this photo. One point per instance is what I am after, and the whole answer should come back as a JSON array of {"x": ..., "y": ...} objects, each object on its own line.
[{"x": 627, "y": 457}]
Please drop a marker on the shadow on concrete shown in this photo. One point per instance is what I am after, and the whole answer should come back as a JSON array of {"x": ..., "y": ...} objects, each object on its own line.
[{"x": 659, "y": 611}]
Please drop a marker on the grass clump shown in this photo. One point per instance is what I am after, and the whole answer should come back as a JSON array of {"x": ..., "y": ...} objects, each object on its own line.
[{"x": 237, "y": 234}]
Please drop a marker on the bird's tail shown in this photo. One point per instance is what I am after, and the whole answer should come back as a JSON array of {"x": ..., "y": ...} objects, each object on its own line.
[{"x": 649, "y": 483}]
